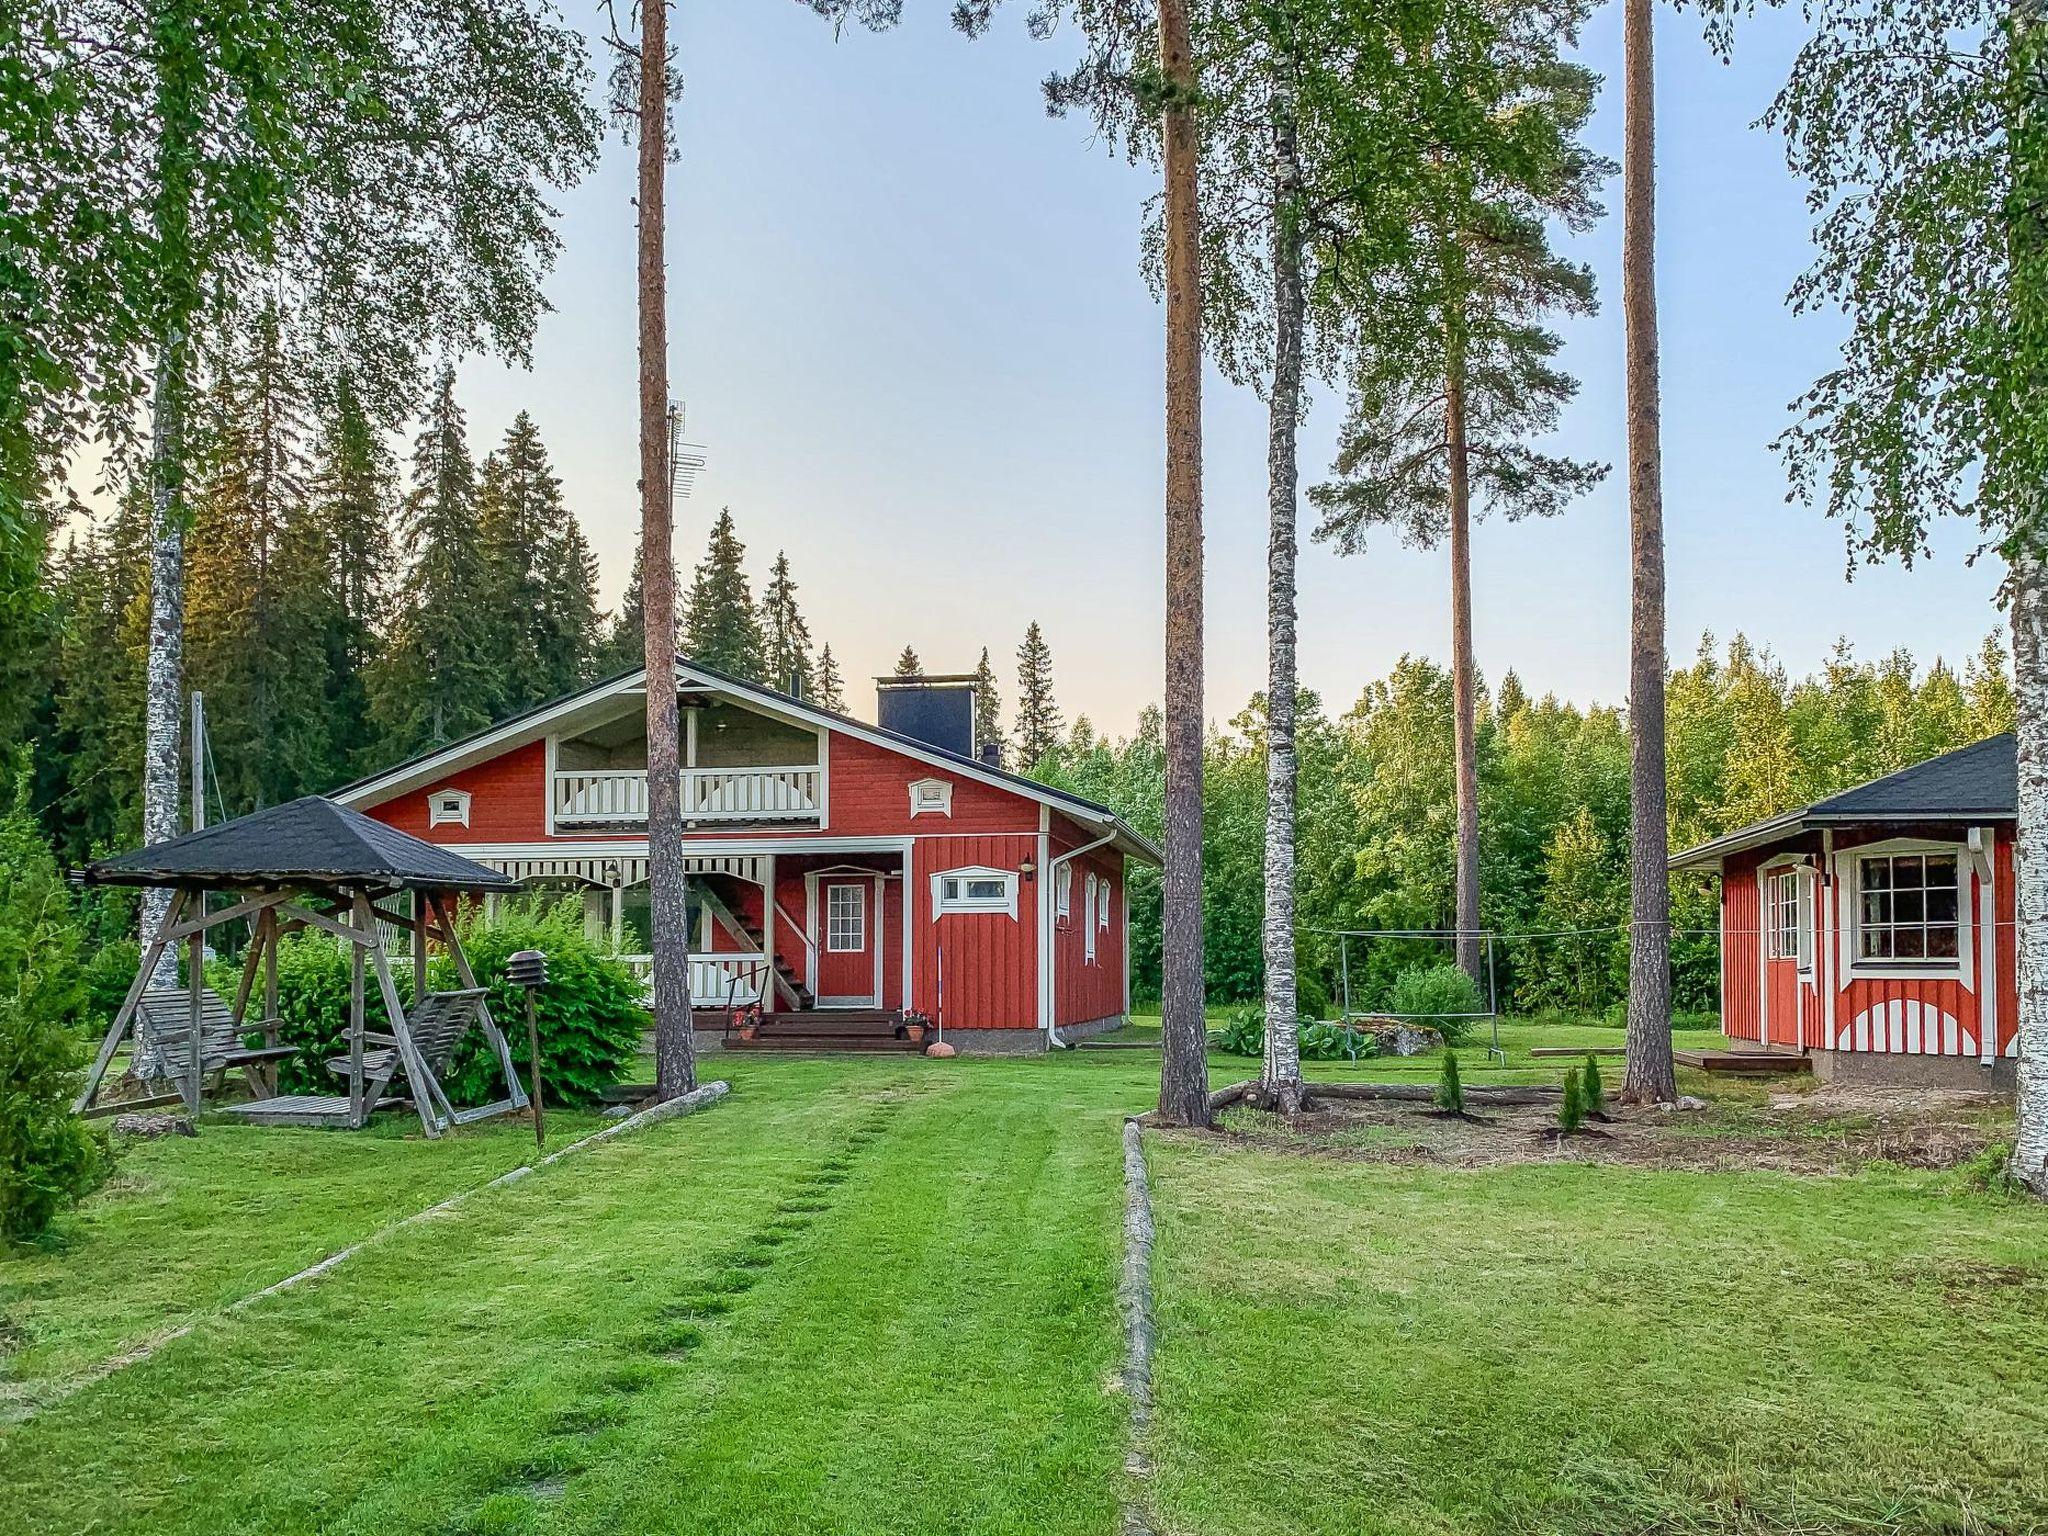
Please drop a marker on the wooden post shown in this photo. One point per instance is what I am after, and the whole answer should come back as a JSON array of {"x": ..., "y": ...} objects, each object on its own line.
[
  {"x": 491, "y": 1031},
  {"x": 271, "y": 936},
  {"x": 125, "y": 1014},
  {"x": 195, "y": 991},
  {"x": 419, "y": 947},
  {"x": 355, "y": 1034},
  {"x": 540, "y": 1132}
]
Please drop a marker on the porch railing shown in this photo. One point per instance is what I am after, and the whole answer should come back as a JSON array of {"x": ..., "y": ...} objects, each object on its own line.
[
  {"x": 715, "y": 980},
  {"x": 709, "y": 794}
]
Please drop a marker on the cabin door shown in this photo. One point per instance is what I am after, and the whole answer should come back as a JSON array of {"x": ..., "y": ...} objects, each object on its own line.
[
  {"x": 849, "y": 946},
  {"x": 1788, "y": 952}
]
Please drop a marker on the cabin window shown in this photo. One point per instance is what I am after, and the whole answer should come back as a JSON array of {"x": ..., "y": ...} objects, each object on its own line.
[
  {"x": 1785, "y": 915},
  {"x": 1088, "y": 916},
  {"x": 934, "y": 796},
  {"x": 1063, "y": 891},
  {"x": 1908, "y": 907},
  {"x": 448, "y": 805},
  {"x": 974, "y": 890},
  {"x": 846, "y": 919},
  {"x": 1102, "y": 904}
]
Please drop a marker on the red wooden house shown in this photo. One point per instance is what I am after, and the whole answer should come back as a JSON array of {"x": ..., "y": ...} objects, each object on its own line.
[
  {"x": 1873, "y": 931},
  {"x": 841, "y": 874}
]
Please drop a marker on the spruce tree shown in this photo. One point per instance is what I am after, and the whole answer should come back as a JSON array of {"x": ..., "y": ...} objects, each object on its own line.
[
  {"x": 102, "y": 603},
  {"x": 571, "y": 634},
  {"x": 625, "y": 643},
  {"x": 720, "y": 627},
  {"x": 908, "y": 664},
  {"x": 831, "y": 686},
  {"x": 1038, "y": 723},
  {"x": 435, "y": 681},
  {"x": 355, "y": 498},
  {"x": 988, "y": 720},
  {"x": 785, "y": 637},
  {"x": 540, "y": 626}
]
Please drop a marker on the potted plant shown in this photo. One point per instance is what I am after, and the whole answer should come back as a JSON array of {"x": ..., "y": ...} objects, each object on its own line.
[{"x": 914, "y": 1027}]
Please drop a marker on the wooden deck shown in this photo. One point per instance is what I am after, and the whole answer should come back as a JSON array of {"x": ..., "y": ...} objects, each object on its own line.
[
  {"x": 828, "y": 1029},
  {"x": 1744, "y": 1061}
]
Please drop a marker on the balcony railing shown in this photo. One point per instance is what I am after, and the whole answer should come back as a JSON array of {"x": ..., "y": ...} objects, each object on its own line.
[{"x": 709, "y": 794}]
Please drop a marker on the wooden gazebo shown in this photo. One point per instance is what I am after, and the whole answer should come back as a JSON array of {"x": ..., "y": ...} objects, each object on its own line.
[{"x": 307, "y": 864}]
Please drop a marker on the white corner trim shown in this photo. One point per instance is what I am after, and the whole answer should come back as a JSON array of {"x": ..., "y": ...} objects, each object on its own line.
[
  {"x": 960, "y": 902},
  {"x": 931, "y": 797},
  {"x": 448, "y": 807}
]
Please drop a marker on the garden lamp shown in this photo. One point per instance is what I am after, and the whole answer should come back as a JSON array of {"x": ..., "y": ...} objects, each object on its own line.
[{"x": 528, "y": 970}]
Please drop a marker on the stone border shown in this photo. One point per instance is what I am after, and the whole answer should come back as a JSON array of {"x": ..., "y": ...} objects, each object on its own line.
[
  {"x": 696, "y": 1099},
  {"x": 1134, "y": 1300}
]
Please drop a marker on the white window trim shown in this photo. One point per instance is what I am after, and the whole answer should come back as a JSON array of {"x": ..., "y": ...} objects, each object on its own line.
[
  {"x": 455, "y": 815},
  {"x": 1850, "y": 868},
  {"x": 1801, "y": 878},
  {"x": 939, "y": 805},
  {"x": 1102, "y": 904},
  {"x": 1063, "y": 892},
  {"x": 944, "y": 905},
  {"x": 1094, "y": 899}
]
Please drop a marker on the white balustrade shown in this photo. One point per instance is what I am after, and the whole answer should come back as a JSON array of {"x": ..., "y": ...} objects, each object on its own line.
[
  {"x": 709, "y": 794},
  {"x": 715, "y": 980}
]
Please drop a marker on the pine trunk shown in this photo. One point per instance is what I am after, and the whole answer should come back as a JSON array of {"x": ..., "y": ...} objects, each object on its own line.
[
  {"x": 675, "y": 1058},
  {"x": 1184, "y": 1065},
  {"x": 164, "y": 671},
  {"x": 2030, "y": 687},
  {"x": 1283, "y": 1040},
  {"x": 1651, "y": 1077},
  {"x": 1464, "y": 684}
]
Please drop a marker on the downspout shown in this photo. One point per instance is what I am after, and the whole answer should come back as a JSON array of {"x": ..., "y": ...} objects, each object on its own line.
[{"x": 1052, "y": 952}]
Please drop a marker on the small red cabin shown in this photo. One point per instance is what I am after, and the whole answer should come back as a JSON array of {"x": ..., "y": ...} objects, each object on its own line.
[
  {"x": 1873, "y": 931},
  {"x": 836, "y": 868}
]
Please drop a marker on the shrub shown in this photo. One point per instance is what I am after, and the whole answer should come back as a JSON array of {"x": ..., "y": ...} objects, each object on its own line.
[
  {"x": 108, "y": 975},
  {"x": 1441, "y": 995},
  {"x": 590, "y": 1016},
  {"x": 48, "y": 1157},
  {"x": 1335, "y": 1042},
  {"x": 1450, "y": 1092},
  {"x": 1244, "y": 1033},
  {"x": 1594, "y": 1091},
  {"x": 1571, "y": 1113}
]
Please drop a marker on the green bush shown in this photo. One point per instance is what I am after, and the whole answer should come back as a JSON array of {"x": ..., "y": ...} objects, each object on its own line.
[
  {"x": 48, "y": 1157},
  {"x": 1450, "y": 1091},
  {"x": 1243, "y": 1033},
  {"x": 1594, "y": 1090},
  {"x": 1440, "y": 995},
  {"x": 590, "y": 1016},
  {"x": 1335, "y": 1042},
  {"x": 108, "y": 975},
  {"x": 1571, "y": 1113}
]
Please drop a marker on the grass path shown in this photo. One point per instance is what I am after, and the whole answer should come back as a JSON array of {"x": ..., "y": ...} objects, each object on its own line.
[{"x": 857, "y": 1296}]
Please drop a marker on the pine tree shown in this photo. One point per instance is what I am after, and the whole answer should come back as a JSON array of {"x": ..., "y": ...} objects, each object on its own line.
[
  {"x": 785, "y": 637},
  {"x": 435, "y": 681},
  {"x": 1450, "y": 1091},
  {"x": 908, "y": 665},
  {"x": 1038, "y": 723},
  {"x": 988, "y": 720},
  {"x": 831, "y": 686},
  {"x": 355, "y": 498},
  {"x": 720, "y": 627}
]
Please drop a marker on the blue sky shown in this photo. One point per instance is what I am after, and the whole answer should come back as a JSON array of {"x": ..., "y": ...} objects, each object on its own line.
[{"x": 908, "y": 321}]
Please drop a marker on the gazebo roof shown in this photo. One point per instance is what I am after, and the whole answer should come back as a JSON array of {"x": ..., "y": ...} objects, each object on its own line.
[{"x": 309, "y": 841}]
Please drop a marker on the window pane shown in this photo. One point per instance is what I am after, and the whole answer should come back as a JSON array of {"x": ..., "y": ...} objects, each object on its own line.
[
  {"x": 949, "y": 890},
  {"x": 1941, "y": 943},
  {"x": 1877, "y": 874},
  {"x": 1909, "y": 906},
  {"x": 1909, "y": 943},
  {"x": 984, "y": 890},
  {"x": 1941, "y": 904},
  {"x": 1874, "y": 906},
  {"x": 1908, "y": 869},
  {"x": 1941, "y": 869},
  {"x": 1875, "y": 943}
]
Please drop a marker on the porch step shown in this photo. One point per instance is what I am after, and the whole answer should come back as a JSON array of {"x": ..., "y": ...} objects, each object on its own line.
[
  {"x": 814, "y": 1043},
  {"x": 1731, "y": 1062}
]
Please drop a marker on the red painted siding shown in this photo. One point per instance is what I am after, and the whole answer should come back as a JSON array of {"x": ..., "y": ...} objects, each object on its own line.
[
  {"x": 507, "y": 801},
  {"x": 1085, "y": 990},
  {"x": 989, "y": 959},
  {"x": 1741, "y": 950}
]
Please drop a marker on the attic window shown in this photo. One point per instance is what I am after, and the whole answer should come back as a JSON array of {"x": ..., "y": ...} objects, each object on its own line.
[
  {"x": 448, "y": 805},
  {"x": 933, "y": 795}
]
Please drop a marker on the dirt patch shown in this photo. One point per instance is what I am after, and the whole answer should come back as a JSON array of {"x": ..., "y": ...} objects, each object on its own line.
[{"x": 1806, "y": 1133}]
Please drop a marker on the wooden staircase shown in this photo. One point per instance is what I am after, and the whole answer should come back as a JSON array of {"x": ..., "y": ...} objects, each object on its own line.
[
  {"x": 832, "y": 1029},
  {"x": 789, "y": 981}
]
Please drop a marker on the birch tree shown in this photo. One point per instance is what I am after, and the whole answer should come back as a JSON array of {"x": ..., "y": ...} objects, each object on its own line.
[{"x": 1921, "y": 130}]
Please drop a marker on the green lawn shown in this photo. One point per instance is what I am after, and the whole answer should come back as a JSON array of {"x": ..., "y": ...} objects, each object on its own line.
[{"x": 877, "y": 1295}]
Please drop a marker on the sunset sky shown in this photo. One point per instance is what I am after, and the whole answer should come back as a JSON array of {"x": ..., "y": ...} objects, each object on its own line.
[{"x": 910, "y": 328}]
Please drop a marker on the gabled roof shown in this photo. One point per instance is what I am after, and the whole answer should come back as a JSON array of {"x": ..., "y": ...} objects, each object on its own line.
[
  {"x": 309, "y": 841},
  {"x": 429, "y": 766},
  {"x": 1976, "y": 783}
]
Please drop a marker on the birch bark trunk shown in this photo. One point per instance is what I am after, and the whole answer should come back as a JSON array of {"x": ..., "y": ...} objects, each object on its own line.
[
  {"x": 1184, "y": 1064},
  {"x": 164, "y": 668},
  {"x": 675, "y": 1057},
  {"x": 1464, "y": 684},
  {"x": 1651, "y": 1076},
  {"x": 1283, "y": 1041},
  {"x": 2029, "y": 1162}
]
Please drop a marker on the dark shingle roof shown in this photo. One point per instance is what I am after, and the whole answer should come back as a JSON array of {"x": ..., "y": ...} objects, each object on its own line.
[
  {"x": 310, "y": 841},
  {"x": 1979, "y": 782}
]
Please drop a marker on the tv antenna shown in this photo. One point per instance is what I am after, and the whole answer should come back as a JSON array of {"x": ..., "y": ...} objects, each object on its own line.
[{"x": 684, "y": 458}]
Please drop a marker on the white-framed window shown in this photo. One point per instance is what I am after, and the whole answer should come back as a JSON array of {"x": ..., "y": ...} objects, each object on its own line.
[
  {"x": 1909, "y": 908},
  {"x": 931, "y": 796},
  {"x": 448, "y": 805},
  {"x": 846, "y": 919},
  {"x": 974, "y": 890},
  {"x": 1102, "y": 904},
  {"x": 1063, "y": 891},
  {"x": 1783, "y": 916},
  {"x": 1088, "y": 918}
]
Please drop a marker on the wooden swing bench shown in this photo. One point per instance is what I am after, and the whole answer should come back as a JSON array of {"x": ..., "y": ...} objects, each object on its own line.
[{"x": 165, "y": 1015}]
